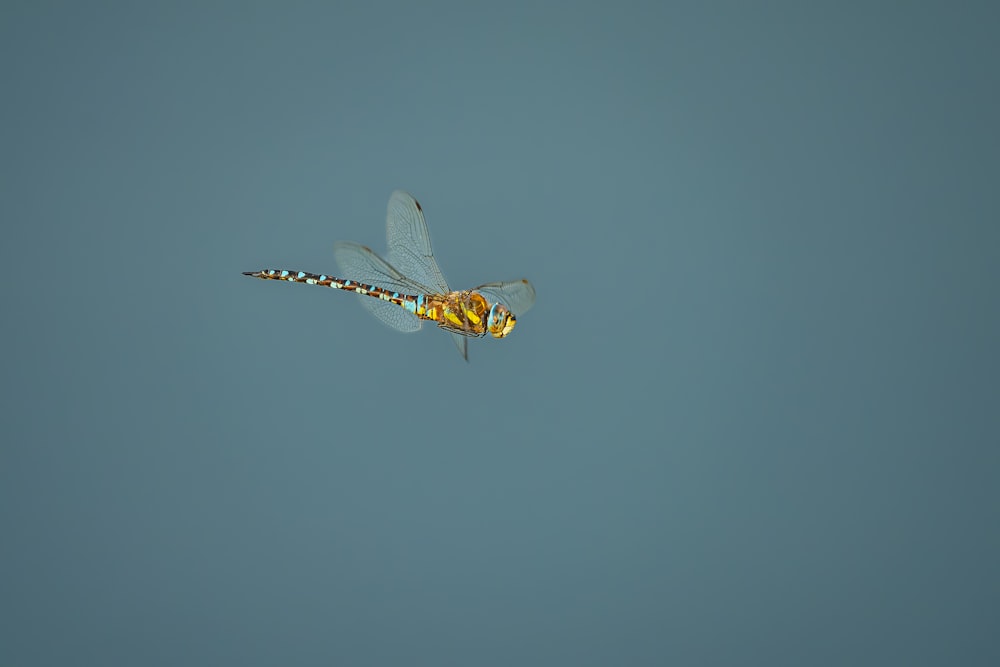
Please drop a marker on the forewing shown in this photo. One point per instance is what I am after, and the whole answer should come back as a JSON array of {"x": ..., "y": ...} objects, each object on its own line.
[{"x": 517, "y": 295}]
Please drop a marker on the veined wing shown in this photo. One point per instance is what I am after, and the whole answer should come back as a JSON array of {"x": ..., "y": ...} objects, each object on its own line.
[
  {"x": 461, "y": 342},
  {"x": 358, "y": 262},
  {"x": 409, "y": 242},
  {"x": 518, "y": 295},
  {"x": 410, "y": 250}
]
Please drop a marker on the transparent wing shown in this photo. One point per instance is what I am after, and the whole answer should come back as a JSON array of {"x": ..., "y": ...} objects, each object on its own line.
[
  {"x": 410, "y": 243},
  {"x": 518, "y": 295},
  {"x": 462, "y": 343},
  {"x": 358, "y": 262}
]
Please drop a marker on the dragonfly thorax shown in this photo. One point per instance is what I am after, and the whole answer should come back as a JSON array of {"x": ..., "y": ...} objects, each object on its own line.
[{"x": 500, "y": 321}]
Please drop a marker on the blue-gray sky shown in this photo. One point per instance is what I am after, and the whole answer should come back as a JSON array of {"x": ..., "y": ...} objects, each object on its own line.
[{"x": 751, "y": 419}]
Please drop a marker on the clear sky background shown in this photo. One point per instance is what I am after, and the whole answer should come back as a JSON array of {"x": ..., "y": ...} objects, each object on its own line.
[{"x": 751, "y": 419}]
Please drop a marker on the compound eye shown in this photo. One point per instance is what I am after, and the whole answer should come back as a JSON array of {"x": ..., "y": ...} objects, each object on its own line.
[{"x": 500, "y": 321}]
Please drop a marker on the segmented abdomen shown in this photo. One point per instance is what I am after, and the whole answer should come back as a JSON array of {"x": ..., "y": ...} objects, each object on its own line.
[
  {"x": 460, "y": 312},
  {"x": 403, "y": 300}
]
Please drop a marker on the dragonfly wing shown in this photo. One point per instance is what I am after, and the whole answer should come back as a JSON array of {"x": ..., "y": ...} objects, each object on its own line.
[
  {"x": 518, "y": 295},
  {"x": 360, "y": 264},
  {"x": 410, "y": 243},
  {"x": 462, "y": 343},
  {"x": 392, "y": 315}
]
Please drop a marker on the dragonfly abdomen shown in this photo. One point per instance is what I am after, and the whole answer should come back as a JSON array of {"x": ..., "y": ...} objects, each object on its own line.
[{"x": 403, "y": 300}]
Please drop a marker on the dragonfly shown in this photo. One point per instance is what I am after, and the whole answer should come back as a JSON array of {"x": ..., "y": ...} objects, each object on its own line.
[{"x": 407, "y": 287}]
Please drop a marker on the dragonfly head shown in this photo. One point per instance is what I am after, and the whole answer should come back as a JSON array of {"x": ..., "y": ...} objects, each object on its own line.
[{"x": 500, "y": 321}]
